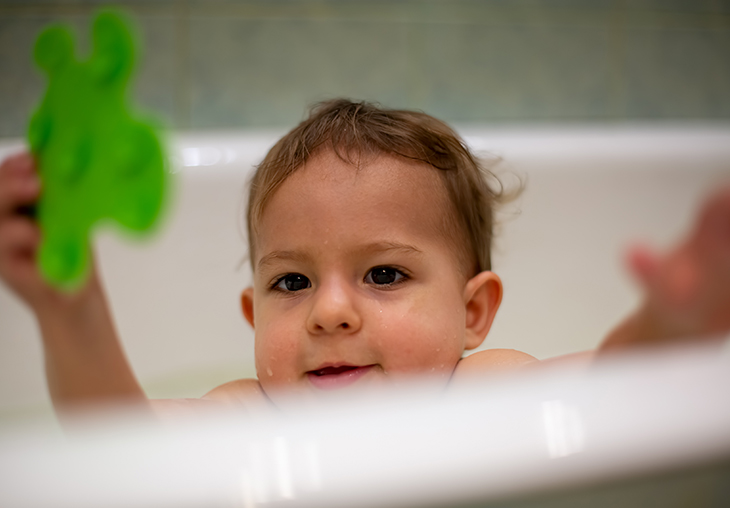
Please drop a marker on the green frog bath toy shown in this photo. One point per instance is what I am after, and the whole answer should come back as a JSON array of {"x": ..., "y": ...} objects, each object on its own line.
[{"x": 97, "y": 161}]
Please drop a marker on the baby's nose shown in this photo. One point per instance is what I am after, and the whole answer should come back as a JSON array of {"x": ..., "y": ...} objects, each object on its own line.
[{"x": 334, "y": 309}]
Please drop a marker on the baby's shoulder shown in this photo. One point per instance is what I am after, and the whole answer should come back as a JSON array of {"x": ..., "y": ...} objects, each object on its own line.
[
  {"x": 491, "y": 360},
  {"x": 241, "y": 393}
]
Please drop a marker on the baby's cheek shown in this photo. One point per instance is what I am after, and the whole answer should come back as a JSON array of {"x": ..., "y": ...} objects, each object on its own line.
[
  {"x": 442, "y": 339},
  {"x": 423, "y": 347},
  {"x": 275, "y": 356}
]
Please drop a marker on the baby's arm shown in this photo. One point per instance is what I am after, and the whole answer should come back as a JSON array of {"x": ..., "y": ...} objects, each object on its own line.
[
  {"x": 83, "y": 357},
  {"x": 84, "y": 360},
  {"x": 687, "y": 296},
  {"x": 687, "y": 290}
]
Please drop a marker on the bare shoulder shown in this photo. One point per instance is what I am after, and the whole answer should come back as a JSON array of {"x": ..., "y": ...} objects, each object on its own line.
[
  {"x": 241, "y": 394},
  {"x": 492, "y": 360}
]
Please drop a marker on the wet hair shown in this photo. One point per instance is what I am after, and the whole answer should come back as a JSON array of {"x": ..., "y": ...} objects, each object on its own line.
[{"x": 358, "y": 130}]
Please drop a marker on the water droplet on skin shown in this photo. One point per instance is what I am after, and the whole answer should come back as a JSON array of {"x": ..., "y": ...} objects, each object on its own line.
[
  {"x": 271, "y": 372},
  {"x": 438, "y": 349},
  {"x": 433, "y": 368},
  {"x": 442, "y": 365}
]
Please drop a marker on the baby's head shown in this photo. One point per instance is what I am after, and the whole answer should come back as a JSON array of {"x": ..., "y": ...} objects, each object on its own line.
[{"x": 369, "y": 236}]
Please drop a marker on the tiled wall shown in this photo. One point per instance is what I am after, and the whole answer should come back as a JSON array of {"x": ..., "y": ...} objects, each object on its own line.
[{"x": 211, "y": 64}]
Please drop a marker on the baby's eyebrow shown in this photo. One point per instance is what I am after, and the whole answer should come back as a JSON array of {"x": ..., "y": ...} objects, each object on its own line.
[
  {"x": 391, "y": 246},
  {"x": 371, "y": 248},
  {"x": 279, "y": 255}
]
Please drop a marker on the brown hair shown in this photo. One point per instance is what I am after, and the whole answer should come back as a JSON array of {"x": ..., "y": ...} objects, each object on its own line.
[{"x": 357, "y": 129}]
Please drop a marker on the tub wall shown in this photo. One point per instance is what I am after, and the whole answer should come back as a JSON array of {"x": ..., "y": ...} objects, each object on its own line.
[{"x": 589, "y": 192}]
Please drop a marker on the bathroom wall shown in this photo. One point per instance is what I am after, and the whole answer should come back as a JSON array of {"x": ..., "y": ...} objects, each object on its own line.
[{"x": 237, "y": 64}]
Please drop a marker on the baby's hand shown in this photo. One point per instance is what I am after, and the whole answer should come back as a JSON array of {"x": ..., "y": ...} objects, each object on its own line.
[
  {"x": 20, "y": 188},
  {"x": 688, "y": 288}
]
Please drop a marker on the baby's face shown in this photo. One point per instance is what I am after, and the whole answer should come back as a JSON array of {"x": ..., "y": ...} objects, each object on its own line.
[{"x": 355, "y": 282}]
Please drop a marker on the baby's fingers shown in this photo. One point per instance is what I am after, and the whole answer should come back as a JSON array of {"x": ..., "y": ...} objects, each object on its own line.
[
  {"x": 643, "y": 265},
  {"x": 18, "y": 234},
  {"x": 671, "y": 280},
  {"x": 19, "y": 183},
  {"x": 19, "y": 240}
]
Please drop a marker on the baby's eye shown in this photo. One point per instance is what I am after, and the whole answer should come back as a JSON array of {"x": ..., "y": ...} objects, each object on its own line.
[
  {"x": 384, "y": 275},
  {"x": 293, "y": 282}
]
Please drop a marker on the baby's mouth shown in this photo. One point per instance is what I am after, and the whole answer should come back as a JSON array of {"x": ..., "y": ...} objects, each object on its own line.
[
  {"x": 337, "y": 376},
  {"x": 330, "y": 371}
]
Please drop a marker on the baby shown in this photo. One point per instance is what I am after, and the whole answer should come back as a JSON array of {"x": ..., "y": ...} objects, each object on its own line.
[{"x": 369, "y": 236}]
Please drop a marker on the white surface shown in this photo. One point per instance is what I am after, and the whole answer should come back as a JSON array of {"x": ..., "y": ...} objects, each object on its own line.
[
  {"x": 547, "y": 431},
  {"x": 589, "y": 192}
]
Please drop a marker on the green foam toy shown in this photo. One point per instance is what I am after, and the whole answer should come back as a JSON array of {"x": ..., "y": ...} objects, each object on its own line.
[{"x": 95, "y": 159}]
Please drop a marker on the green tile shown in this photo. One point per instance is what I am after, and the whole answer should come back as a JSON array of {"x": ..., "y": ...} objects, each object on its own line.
[
  {"x": 710, "y": 6},
  {"x": 22, "y": 84},
  {"x": 478, "y": 73},
  {"x": 677, "y": 74},
  {"x": 265, "y": 72},
  {"x": 160, "y": 86},
  {"x": 223, "y": 63}
]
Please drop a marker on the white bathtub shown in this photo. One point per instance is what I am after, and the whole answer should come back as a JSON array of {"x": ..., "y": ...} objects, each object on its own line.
[
  {"x": 590, "y": 191},
  {"x": 633, "y": 433},
  {"x": 624, "y": 435}
]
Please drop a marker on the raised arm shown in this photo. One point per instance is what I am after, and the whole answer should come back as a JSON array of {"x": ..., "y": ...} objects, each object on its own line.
[
  {"x": 687, "y": 290},
  {"x": 686, "y": 296},
  {"x": 84, "y": 361}
]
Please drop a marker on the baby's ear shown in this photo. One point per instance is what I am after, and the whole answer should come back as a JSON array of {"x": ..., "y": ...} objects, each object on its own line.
[
  {"x": 247, "y": 305},
  {"x": 482, "y": 296}
]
